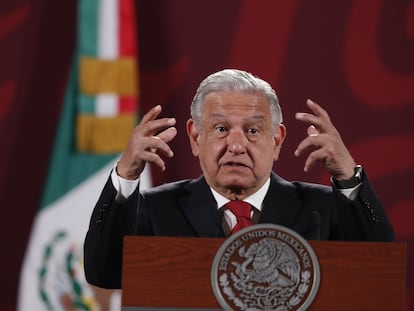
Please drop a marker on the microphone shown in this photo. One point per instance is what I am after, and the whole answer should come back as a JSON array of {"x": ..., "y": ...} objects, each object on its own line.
[
  {"x": 138, "y": 229},
  {"x": 317, "y": 222},
  {"x": 219, "y": 224}
]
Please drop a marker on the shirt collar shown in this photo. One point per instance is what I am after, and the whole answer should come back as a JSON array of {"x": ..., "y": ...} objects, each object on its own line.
[{"x": 256, "y": 199}]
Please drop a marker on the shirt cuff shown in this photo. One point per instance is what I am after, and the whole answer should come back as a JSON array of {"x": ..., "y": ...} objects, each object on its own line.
[
  {"x": 350, "y": 193},
  {"x": 124, "y": 187}
]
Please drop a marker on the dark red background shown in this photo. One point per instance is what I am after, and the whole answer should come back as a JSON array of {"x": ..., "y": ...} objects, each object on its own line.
[{"x": 353, "y": 57}]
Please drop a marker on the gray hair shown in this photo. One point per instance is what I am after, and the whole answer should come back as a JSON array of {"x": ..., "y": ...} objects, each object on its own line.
[{"x": 233, "y": 80}]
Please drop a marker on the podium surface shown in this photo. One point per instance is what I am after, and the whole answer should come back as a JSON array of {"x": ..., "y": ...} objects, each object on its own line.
[{"x": 170, "y": 273}]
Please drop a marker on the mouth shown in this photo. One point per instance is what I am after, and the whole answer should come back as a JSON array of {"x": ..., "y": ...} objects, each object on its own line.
[{"x": 235, "y": 164}]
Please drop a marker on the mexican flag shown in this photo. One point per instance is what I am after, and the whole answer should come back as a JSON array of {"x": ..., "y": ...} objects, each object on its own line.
[{"x": 98, "y": 115}]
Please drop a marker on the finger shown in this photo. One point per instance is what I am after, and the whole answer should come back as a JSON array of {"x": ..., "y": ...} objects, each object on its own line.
[
  {"x": 155, "y": 148},
  {"x": 321, "y": 125},
  {"x": 168, "y": 134},
  {"x": 151, "y": 114},
  {"x": 312, "y": 131},
  {"x": 161, "y": 146},
  {"x": 154, "y": 158},
  {"x": 155, "y": 126},
  {"x": 314, "y": 157},
  {"x": 309, "y": 119},
  {"x": 319, "y": 122},
  {"x": 310, "y": 142},
  {"x": 316, "y": 108},
  {"x": 149, "y": 125},
  {"x": 157, "y": 145}
]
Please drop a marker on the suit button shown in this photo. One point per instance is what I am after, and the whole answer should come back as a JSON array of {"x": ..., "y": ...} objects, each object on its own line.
[
  {"x": 102, "y": 211},
  {"x": 373, "y": 217}
]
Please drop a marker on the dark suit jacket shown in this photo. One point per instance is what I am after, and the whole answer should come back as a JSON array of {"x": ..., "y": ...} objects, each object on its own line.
[{"x": 188, "y": 208}]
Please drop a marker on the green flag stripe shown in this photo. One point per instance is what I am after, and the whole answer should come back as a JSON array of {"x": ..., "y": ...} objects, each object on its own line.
[
  {"x": 86, "y": 104},
  {"x": 88, "y": 27}
]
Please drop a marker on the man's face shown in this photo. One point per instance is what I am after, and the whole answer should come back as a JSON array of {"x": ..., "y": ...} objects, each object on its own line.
[{"x": 236, "y": 146}]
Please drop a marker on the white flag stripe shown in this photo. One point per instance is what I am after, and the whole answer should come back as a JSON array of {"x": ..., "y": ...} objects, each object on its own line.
[
  {"x": 108, "y": 25},
  {"x": 106, "y": 105}
]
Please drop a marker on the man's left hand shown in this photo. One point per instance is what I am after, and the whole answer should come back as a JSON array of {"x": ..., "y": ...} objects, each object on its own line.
[{"x": 324, "y": 144}]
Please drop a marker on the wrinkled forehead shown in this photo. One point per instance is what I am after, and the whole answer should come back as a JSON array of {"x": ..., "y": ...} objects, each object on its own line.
[
  {"x": 225, "y": 105},
  {"x": 230, "y": 99}
]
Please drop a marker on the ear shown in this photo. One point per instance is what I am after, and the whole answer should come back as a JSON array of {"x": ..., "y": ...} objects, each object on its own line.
[
  {"x": 193, "y": 135},
  {"x": 280, "y": 135}
]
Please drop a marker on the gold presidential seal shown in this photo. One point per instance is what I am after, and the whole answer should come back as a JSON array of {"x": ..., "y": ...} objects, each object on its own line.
[{"x": 265, "y": 267}]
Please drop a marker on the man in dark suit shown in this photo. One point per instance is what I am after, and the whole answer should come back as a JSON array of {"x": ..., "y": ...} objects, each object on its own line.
[{"x": 236, "y": 131}]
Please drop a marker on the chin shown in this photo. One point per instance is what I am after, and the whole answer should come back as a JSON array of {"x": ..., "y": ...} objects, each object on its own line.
[{"x": 236, "y": 185}]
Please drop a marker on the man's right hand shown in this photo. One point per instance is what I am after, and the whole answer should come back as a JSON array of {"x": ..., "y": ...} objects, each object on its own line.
[{"x": 144, "y": 146}]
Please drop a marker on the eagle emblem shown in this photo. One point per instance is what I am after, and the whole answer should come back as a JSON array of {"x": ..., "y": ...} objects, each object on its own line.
[{"x": 265, "y": 268}]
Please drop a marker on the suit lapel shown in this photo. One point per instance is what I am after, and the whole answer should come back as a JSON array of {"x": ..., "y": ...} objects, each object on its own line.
[
  {"x": 281, "y": 204},
  {"x": 200, "y": 208}
]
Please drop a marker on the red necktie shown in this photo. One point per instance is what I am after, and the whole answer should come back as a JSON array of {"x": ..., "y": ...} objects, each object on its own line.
[{"x": 242, "y": 211}]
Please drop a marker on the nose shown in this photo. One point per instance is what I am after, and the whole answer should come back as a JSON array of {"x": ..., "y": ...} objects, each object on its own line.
[{"x": 236, "y": 141}]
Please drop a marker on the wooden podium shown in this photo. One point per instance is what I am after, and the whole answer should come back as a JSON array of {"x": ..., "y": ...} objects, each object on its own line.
[{"x": 174, "y": 273}]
